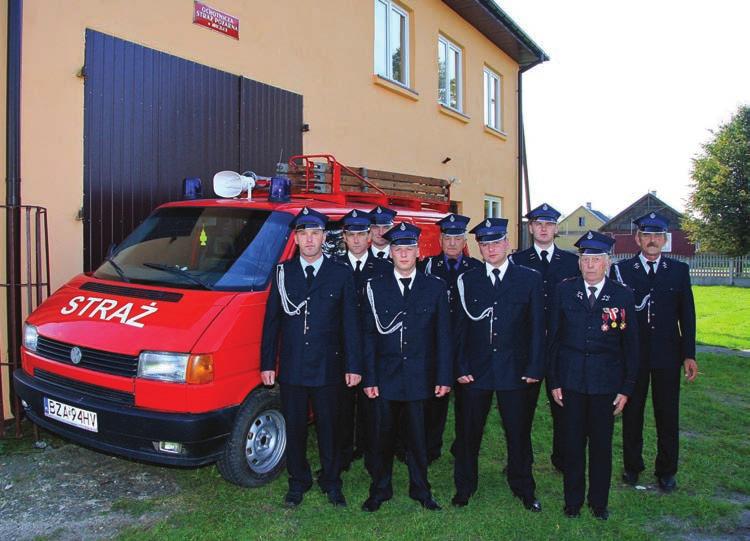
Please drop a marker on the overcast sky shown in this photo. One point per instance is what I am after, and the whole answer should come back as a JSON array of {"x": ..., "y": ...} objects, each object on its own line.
[{"x": 629, "y": 94}]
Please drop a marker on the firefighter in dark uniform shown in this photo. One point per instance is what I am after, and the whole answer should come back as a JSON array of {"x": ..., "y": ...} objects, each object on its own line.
[
  {"x": 555, "y": 265},
  {"x": 448, "y": 265},
  {"x": 356, "y": 228},
  {"x": 500, "y": 351},
  {"x": 312, "y": 322},
  {"x": 382, "y": 222},
  {"x": 407, "y": 353},
  {"x": 593, "y": 352},
  {"x": 666, "y": 325}
]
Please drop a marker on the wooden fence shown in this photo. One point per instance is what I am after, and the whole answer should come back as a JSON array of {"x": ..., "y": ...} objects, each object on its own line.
[{"x": 712, "y": 269}]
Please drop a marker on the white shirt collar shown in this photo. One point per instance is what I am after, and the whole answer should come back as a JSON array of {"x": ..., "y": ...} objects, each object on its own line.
[
  {"x": 598, "y": 287},
  {"x": 489, "y": 268},
  {"x": 316, "y": 264},
  {"x": 353, "y": 260},
  {"x": 386, "y": 249},
  {"x": 400, "y": 283},
  {"x": 644, "y": 262},
  {"x": 550, "y": 251}
]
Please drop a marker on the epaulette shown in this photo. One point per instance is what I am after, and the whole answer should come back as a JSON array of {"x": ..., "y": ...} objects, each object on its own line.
[{"x": 572, "y": 278}]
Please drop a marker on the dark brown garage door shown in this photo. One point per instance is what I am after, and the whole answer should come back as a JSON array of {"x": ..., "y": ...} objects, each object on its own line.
[{"x": 153, "y": 119}]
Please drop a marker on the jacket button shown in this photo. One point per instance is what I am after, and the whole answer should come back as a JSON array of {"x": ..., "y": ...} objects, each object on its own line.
[
  {"x": 495, "y": 319},
  {"x": 404, "y": 357},
  {"x": 494, "y": 349},
  {"x": 405, "y": 342},
  {"x": 307, "y": 343}
]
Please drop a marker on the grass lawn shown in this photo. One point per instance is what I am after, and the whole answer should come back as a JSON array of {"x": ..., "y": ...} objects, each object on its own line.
[
  {"x": 714, "y": 487},
  {"x": 723, "y": 316}
]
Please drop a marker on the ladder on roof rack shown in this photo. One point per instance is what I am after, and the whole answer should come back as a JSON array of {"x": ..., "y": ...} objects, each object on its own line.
[{"x": 325, "y": 178}]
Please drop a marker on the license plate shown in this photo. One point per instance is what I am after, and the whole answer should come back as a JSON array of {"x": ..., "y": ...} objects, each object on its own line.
[{"x": 70, "y": 415}]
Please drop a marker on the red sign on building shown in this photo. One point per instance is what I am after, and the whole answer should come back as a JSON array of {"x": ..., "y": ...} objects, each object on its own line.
[{"x": 216, "y": 20}]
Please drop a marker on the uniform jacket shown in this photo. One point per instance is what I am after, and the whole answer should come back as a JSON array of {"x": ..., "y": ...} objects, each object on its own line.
[
  {"x": 436, "y": 266},
  {"x": 372, "y": 268},
  {"x": 407, "y": 364},
  {"x": 517, "y": 346},
  {"x": 562, "y": 265},
  {"x": 584, "y": 356},
  {"x": 330, "y": 347},
  {"x": 665, "y": 309}
]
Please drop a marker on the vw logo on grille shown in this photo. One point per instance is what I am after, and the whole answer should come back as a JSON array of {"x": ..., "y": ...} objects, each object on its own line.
[{"x": 75, "y": 355}]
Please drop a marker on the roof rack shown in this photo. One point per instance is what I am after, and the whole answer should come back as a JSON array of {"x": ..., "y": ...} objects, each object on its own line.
[{"x": 324, "y": 178}]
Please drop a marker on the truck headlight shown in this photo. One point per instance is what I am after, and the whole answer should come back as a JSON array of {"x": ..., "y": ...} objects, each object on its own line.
[
  {"x": 30, "y": 337},
  {"x": 163, "y": 366}
]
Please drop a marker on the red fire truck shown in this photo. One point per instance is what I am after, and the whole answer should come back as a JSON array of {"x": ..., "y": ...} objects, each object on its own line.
[{"x": 155, "y": 355}]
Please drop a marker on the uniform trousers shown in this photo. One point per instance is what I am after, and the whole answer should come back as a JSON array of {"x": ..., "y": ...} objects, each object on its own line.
[
  {"x": 665, "y": 395},
  {"x": 388, "y": 415},
  {"x": 587, "y": 420},
  {"x": 436, "y": 413},
  {"x": 558, "y": 459},
  {"x": 295, "y": 403},
  {"x": 352, "y": 431},
  {"x": 513, "y": 407}
]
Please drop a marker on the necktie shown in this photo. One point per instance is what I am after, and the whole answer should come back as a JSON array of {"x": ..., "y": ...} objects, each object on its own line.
[
  {"x": 310, "y": 274},
  {"x": 358, "y": 268},
  {"x": 545, "y": 261},
  {"x": 406, "y": 282},
  {"x": 496, "y": 272},
  {"x": 452, "y": 264},
  {"x": 651, "y": 271},
  {"x": 381, "y": 255},
  {"x": 592, "y": 296}
]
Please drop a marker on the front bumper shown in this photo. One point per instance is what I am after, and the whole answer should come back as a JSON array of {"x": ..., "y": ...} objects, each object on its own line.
[{"x": 129, "y": 431}]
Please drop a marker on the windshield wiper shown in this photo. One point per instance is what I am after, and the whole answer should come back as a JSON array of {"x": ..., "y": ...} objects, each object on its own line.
[
  {"x": 117, "y": 268},
  {"x": 179, "y": 272}
]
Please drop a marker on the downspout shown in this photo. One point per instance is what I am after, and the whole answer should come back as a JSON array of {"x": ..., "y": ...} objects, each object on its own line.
[
  {"x": 13, "y": 183},
  {"x": 523, "y": 173}
]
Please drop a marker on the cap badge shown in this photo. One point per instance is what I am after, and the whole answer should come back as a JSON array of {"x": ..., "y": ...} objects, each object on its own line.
[
  {"x": 354, "y": 213},
  {"x": 545, "y": 207},
  {"x": 452, "y": 218},
  {"x": 305, "y": 211},
  {"x": 488, "y": 224},
  {"x": 652, "y": 215},
  {"x": 379, "y": 210},
  {"x": 403, "y": 226},
  {"x": 590, "y": 236}
]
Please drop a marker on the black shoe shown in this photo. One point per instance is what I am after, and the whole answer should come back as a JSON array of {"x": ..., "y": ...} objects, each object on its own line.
[
  {"x": 630, "y": 478},
  {"x": 430, "y": 504},
  {"x": 293, "y": 498},
  {"x": 336, "y": 497},
  {"x": 371, "y": 504},
  {"x": 572, "y": 512},
  {"x": 357, "y": 454},
  {"x": 601, "y": 513},
  {"x": 557, "y": 464},
  {"x": 318, "y": 473},
  {"x": 459, "y": 501},
  {"x": 346, "y": 466},
  {"x": 400, "y": 456},
  {"x": 532, "y": 504},
  {"x": 667, "y": 483},
  {"x": 432, "y": 457}
]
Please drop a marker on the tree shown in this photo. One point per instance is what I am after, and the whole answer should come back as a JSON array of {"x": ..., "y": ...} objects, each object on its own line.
[{"x": 718, "y": 209}]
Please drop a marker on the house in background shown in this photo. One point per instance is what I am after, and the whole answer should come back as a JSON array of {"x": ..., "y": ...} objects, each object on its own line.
[
  {"x": 622, "y": 229},
  {"x": 577, "y": 223}
]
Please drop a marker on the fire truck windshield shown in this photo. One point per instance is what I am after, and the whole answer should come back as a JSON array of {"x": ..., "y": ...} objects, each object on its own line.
[{"x": 225, "y": 249}]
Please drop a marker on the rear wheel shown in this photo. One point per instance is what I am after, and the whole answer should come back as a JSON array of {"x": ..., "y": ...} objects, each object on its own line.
[{"x": 255, "y": 452}]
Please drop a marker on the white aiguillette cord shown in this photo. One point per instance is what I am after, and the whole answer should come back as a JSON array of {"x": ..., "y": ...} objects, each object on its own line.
[
  {"x": 289, "y": 307},
  {"x": 488, "y": 312},
  {"x": 391, "y": 327},
  {"x": 646, "y": 301}
]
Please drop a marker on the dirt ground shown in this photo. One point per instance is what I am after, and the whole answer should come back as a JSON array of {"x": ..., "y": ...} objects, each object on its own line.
[{"x": 67, "y": 492}]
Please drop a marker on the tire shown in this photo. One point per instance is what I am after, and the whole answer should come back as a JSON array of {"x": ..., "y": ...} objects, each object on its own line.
[{"x": 255, "y": 452}]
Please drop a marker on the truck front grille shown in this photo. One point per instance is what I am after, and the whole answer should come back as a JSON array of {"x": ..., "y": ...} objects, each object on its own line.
[
  {"x": 71, "y": 386},
  {"x": 92, "y": 359}
]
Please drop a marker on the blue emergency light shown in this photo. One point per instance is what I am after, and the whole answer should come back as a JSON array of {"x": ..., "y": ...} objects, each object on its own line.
[
  {"x": 192, "y": 188},
  {"x": 281, "y": 189}
]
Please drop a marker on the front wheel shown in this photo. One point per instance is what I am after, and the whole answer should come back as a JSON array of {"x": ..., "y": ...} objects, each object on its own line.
[{"x": 255, "y": 452}]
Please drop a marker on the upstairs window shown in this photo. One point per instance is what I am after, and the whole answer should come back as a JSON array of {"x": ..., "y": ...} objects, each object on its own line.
[
  {"x": 391, "y": 42},
  {"x": 449, "y": 73},
  {"x": 493, "y": 111},
  {"x": 581, "y": 221}
]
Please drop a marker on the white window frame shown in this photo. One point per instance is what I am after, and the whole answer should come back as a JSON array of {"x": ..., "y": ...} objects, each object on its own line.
[
  {"x": 493, "y": 115},
  {"x": 495, "y": 206},
  {"x": 393, "y": 7},
  {"x": 451, "y": 48}
]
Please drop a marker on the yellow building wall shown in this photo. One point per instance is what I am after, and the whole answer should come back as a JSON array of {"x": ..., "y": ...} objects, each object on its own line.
[
  {"x": 570, "y": 231},
  {"x": 322, "y": 50}
]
